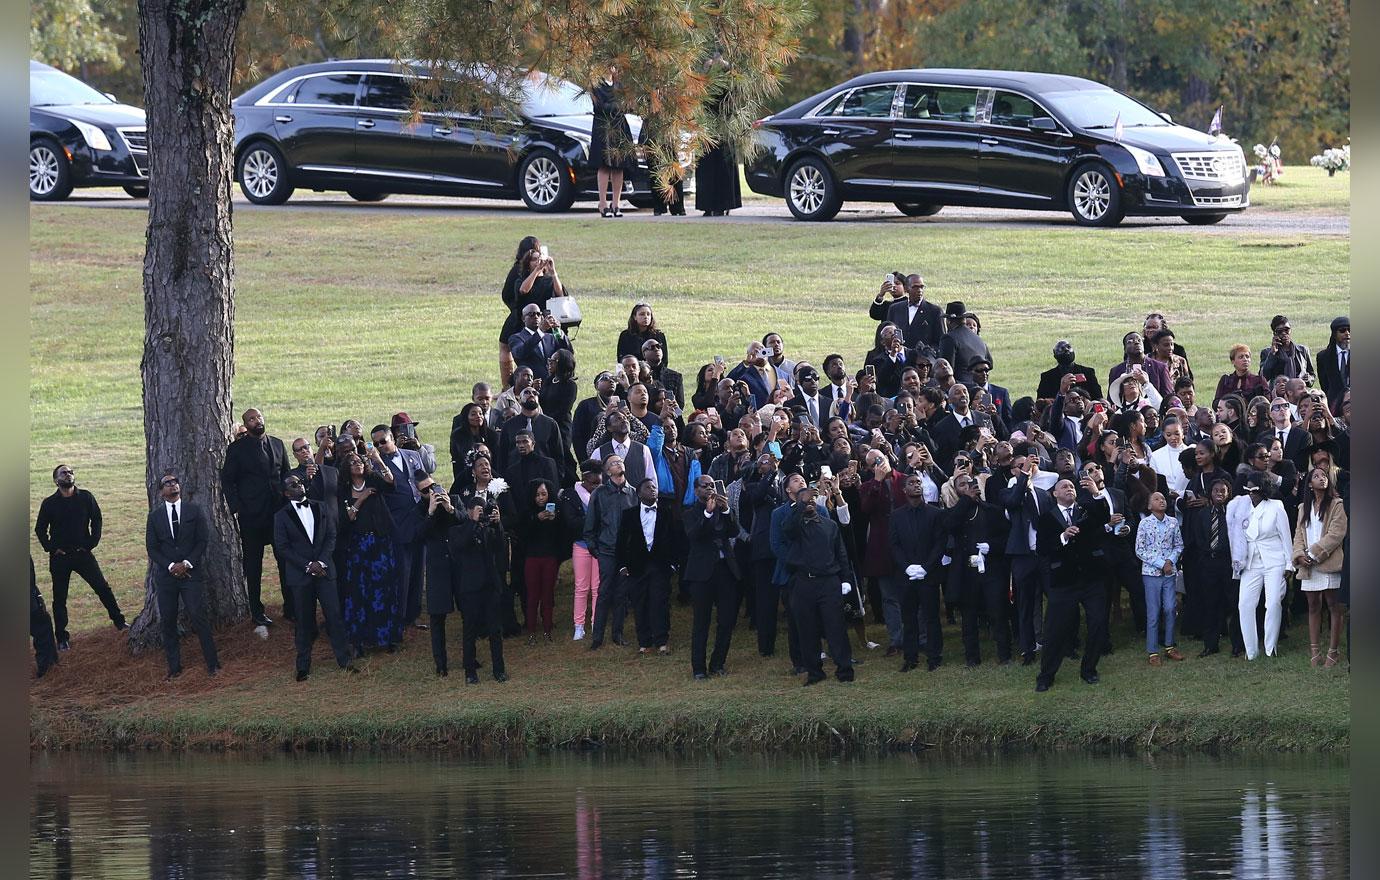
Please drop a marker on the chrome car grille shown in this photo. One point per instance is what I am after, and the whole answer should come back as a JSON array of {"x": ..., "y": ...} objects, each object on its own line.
[
  {"x": 1217, "y": 201},
  {"x": 1223, "y": 166},
  {"x": 136, "y": 140}
]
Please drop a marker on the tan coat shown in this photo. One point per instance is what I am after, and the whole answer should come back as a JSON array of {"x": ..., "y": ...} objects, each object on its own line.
[{"x": 1328, "y": 550}]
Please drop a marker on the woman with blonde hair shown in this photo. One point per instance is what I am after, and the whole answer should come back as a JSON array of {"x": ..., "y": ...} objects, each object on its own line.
[
  {"x": 1318, "y": 560},
  {"x": 1241, "y": 380}
]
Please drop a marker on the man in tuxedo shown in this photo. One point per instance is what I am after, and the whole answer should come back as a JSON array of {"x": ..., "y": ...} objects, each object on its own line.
[
  {"x": 69, "y": 528},
  {"x": 655, "y": 358},
  {"x": 1025, "y": 503},
  {"x": 539, "y": 338},
  {"x": 321, "y": 481},
  {"x": 1292, "y": 438},
  {"x": 649, "y": 549},
  {"x": 636, "y": 458},
  {"x": 402, "y": 497},
  {"x": 1065, "y": 364},
  {"x": 175, "y": 537},
  {"x": 918, "y": 319},
  {"x": 711, "y": 573},
  {"x": 835, "y": 394},
  {"x": 917, "y": 538},
  {"x": 305, "y": 537},
  {"x": 1334, "y": 363},
  {"x": 979, "y": 568},
  {"x": 1115, "y": 561},
  {"x": 964, "y": 414},
  {"x": 252, "y": 479},
  {"x": 810, "y": 399},
  {"x": 1067, "y": 536},
  {"x": 981, "y": 370},
  {"x": 892, "y": 361}
]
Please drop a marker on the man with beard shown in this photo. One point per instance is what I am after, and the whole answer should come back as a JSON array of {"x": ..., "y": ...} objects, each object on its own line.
[
  {"x": 305, "y": 537},
  {"x": 655, "y": 357},
  {"x": 979, "y": 533},
  {"x": 546, "y": 434},
  {"x": 589, "y": 412},
  {"x": 636, "y": 457},
  {"x": 603, "y": 516},
  {"x": 69, "y": 528},
  {"x": 1133, "y": 348},
  {"x": 321, "y": 480},
  {"x": 251, "y": 478},
  {"x": 1085, "y": 377},
  {"x": 821, "y": 575},
  {"x": 918, "y": 319},
  {"x": 711, "y": 573},
  {"x": 175, "y": 538}
]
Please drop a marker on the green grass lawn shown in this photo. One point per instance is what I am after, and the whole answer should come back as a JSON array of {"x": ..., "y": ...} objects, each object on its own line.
[
  {"x": 1304, "y": 188},
  {"x": 362, "y": 314}
]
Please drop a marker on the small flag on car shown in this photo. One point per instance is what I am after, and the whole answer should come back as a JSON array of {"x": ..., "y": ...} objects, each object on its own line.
[
  {"x": 1116, "y": 127},
  {"x": 1215, "y": 127}
]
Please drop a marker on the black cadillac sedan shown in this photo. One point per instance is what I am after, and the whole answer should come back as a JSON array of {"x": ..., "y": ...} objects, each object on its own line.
[
  {"x": 348, "y": 125},
  {"x": 81, "y": 137},
  {"x": 994, "y": 139}
]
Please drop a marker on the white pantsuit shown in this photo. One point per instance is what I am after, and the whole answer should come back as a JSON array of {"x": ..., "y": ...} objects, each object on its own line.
[{"x": 1268, "y": 546}]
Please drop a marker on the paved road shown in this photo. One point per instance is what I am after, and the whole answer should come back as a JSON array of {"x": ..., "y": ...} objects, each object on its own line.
[{"x": 1258, "y": 220}]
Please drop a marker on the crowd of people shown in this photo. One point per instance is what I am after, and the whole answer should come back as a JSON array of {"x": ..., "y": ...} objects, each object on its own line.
[{"x": 905, "y": 492}]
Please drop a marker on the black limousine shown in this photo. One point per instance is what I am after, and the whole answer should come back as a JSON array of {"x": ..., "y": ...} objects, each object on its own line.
[
  {"x": 80, "y": 137},
  {"x": 349, "y": 125},
  {"x": 923, "y": 139}
]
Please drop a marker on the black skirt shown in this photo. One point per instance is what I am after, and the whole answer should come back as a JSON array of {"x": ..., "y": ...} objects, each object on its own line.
[{"x": 716, "y": 182}]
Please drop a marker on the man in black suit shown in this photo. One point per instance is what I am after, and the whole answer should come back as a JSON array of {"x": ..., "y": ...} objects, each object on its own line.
[
  {"x": 1293, "y": 438},
  {"x": 892, "y": 361},
  {"x": 810, "y": 399},
  {"x": 474, "y": 546},
  {"x": 936, "y": 419},
  {"x": 979, "y": 531},
  {"x": 918, "y": 537},
  {"x": 1334, "y": 363},
  {"x": 711, "y": 573},
  {"x": 650, "y": 547},
  {"x": 1049, "y": 379},
  {"x": 655, "y": 358},
  {"x": 252, "y": 479},
  {"x": 321, "y": 481},
  {"x": 305, "y": 537},
  {"x": 1208, "y": 572},
  {"x": 961, "y": 345},
  {"x": 821, "y": 575},
  {"x": 1115, "y": 562},
  {"x": 836, "y": 391},
  {"x": 539, "y": 338},
  {"x": 918, "y": 319},
  {"x": 407, "y": 468},
  {"x": 981, "y": 370},
  {"x": 525, "y": 465},
  {"x": 1025, "y": 503},
  {"x": 546, "y": 434},
  {"x": 1067, "y": 536},
  {"x": 965, "y": 415},
  {"x": 175, "y": 538}
]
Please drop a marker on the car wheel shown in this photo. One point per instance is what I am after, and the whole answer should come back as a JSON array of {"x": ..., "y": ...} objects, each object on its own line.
[
  {"x": 1094, "y": 197},
  {"x": 918, "y": 209},
  {"x": 811, "y": 192},
  {"x": 1203, "y": 219},
  {"x": 137, "y": 192},
  {"x": 50, "y": 174},
  {"x": 263, "y": 175},
  {"x": 544, "y": 181},
  {"x": 364, "y": 195}
]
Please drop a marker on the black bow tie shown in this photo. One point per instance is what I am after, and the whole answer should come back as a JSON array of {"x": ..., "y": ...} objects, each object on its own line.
[
  {"x": 302, "y": 504},
  {"x": 651, "y": 509}
]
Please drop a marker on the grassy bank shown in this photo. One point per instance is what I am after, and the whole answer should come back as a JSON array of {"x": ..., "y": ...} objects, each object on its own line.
[
  {"x": 364, "y": 314},
  {"x": 561, "y": 695}
]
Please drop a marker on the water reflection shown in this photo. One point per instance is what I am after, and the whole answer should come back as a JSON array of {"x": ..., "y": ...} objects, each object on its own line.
[{"x": 925, "y": 816}]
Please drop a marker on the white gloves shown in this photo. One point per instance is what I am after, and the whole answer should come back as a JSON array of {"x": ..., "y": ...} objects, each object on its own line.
[
  {"x": 915, "y": 572},
  {"x": 984, "y": 548},
  {"x": 945, "y": 561},
  {"x": 847, "y": 588}
]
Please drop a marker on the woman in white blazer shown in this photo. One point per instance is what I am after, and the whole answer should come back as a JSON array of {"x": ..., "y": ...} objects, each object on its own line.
[{"x": 1269, "y": 550}]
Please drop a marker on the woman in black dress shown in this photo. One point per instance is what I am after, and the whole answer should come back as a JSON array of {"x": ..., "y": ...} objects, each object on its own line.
[
  {"x": 717, "y": 190},
  {"x": 557, "y": 398},
  {"x": 641, "y": 327},
  {"x": 532, "y": 279},
  {"x": 473, "y": 431},
  {"x": 370, "y": 604},
  {"x": 611, "y": 149}
]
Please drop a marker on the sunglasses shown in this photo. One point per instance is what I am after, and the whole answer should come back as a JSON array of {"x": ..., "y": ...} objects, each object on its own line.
[{"x": 170, "y": 481}]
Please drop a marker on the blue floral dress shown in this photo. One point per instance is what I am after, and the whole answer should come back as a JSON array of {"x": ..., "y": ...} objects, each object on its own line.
[{"x": 370, "y": 600}]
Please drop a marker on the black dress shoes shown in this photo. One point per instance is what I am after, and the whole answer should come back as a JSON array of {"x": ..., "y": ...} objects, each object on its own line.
[
  {"x": 932, "y": 665},
  {"x": 471, "y": 678},
  {"x": 174, "y": 673},
  {"x": 302, "y": 674},
  {"x": 1092, "y": 678},
  {"x": 1027, "y": 659},
  {"x": 1041, "y": 687},
  {"x": 909, "y": 665},
  {"x": 500, "y": 676},
  {"x": 1208, "y": 652},
  {"x": 594, "y": 646},
  {"x": 442, "y": 671},
  {"x": 813, "y": 679},
  {"x": 263, "y": 620},
  {"x": 700, "y": 676}
]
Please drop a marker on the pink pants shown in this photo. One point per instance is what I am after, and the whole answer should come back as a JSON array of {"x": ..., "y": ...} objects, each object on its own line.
[{"x": 586, "y": 583}]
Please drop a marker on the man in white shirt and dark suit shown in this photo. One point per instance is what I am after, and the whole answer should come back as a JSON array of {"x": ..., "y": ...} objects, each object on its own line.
[
  {"x": 175, "y": 537},
  {"x": 305, "y": 537}
]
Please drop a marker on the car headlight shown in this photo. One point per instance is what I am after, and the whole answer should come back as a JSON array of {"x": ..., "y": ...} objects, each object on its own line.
[
  {"x": 95, "y": 138},
  {"x": 1146, "y": 161},
  {"x": 583, "y": 140}
]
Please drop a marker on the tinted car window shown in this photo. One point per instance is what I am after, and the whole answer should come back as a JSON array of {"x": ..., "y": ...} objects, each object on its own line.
[
  {"x": 338, "y": 89},
  {"x": 872, "y": 102},
  {"x": 944, "y": 103},
  {"x": 388, "y": 92},
  {"x": 1009, "y": 108}
]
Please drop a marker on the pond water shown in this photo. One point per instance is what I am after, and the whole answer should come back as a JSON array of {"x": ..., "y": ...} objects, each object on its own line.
[{"x": 934, "y": 814}]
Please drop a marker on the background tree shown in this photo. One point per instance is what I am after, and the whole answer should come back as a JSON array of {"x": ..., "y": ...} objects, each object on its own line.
[{"x": 69, "y": 34}]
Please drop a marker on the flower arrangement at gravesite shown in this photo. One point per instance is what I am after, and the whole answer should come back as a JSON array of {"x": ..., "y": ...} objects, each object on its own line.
[
  {"x": 1333, "y": 159},
  {"x": 1270, "y": 168}
]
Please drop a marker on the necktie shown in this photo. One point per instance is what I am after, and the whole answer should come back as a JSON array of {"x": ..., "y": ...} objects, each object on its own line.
[
  {"x": 814, "y": 410},
  {"x": 1346, "y": 360},
  {"x": 1068, "y": 516},
  {"x": 175, "y": 521},
  {"x": 1215, "y": 536},
  {"x": 1281, "y": 439}
]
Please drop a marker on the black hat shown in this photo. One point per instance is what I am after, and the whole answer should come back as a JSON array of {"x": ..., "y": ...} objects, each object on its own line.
[
  {"x": 979, "y": 359},
  {"x": 954, "y": 311},
  {"x": 1342, "y": 322}
]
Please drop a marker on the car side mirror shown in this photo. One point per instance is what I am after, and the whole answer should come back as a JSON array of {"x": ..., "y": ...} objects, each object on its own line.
[
  {"x": 1043, "y": 123},
  {"x": 111, "y": 96},
  {"x": 1167, "y": 118}
]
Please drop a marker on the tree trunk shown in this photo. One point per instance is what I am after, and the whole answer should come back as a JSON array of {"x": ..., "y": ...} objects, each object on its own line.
[{"x": 188, "y": 48}]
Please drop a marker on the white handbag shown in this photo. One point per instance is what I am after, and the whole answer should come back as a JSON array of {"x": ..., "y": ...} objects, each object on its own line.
[{"x": 565, "y": 310}]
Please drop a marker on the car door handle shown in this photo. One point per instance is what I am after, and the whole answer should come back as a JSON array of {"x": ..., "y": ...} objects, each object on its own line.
[
  {"x": 440, "y": 132},
  {"x": 831, "y": 131},
  {"x": 903, "y": 136},
  {"x": 282, "y": 119},
  {"x": 992, "y": 141},
  {"x": 366, "y": 123}
]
